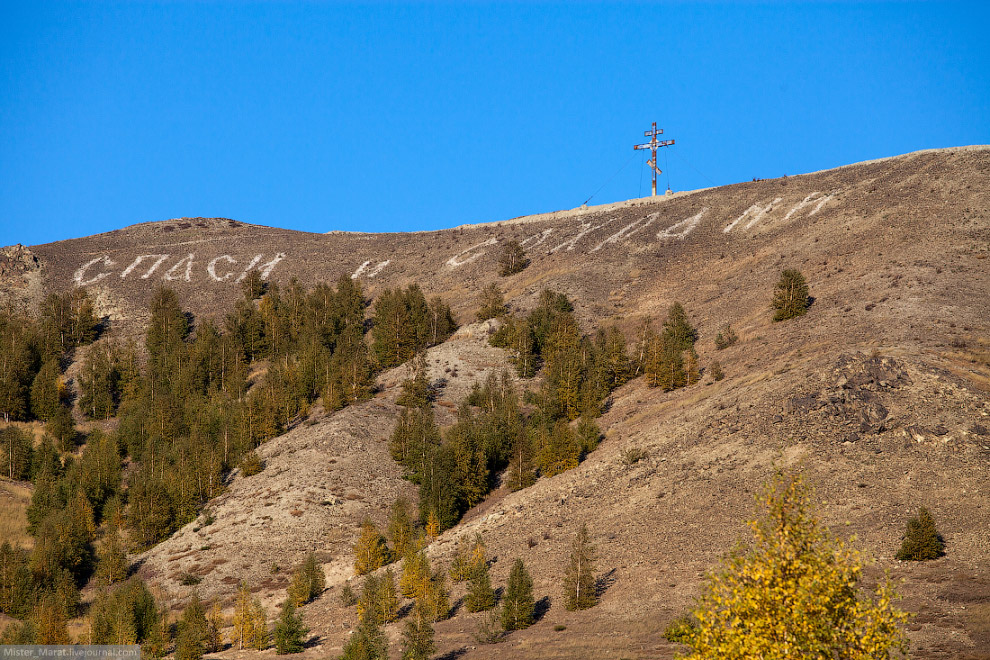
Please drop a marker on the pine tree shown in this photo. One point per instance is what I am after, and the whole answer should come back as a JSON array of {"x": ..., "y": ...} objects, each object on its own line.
[
  {"x": 289, "y": 630},
  {"x": 790, "y": 297},
  {"x": 792, "y": 593},
  {"x": 560, "y": 451},
  {"x": 418, "y": 636},
  {"x": 415, "y": 577},
  {"x": 693, "y": 372},
  {"x": 47, "y": 391},
  {"x": 368, "y": 642},
  {"x": 522, "y": 468},
  {"x": 111, "y": 563},
  {"x": 480, "y": 595},
  {"x": 677, "y": 330},
  {"x": 492, "y": 303},
  {"x": 259, "y": 626},
  {"x": 469, "y": 552},
  {"x": 242, "y": 634},
  {"x": 215, "y": 624},
  {"x": 512, "y": 258},
  {"x": 518, "y": 605},
  {"x": 193, "y": 628},
  {"x": 436, "y": 600},
  {"x": 308, "y": 581},
  {"x": 16, "y": 453},
  {"x": 370, "y": 551},
  {"x": 921, "y": 540},
  {"x": 16, "y": 583},
  {"x": 579, "y": 579},
  {"x": 50, "y": 621},
  {"x": 400, "y": 528}
]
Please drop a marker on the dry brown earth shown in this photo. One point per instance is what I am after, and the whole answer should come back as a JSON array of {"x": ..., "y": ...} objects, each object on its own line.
[{"x": 881, "y": 394}]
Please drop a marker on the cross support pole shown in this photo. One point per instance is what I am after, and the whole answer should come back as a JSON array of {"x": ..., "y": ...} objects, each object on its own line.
[{"x": 653, "y": 145}]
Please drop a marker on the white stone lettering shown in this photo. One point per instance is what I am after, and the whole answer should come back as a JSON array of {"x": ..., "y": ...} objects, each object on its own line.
[
  {"x": 137, "y": 261},
  {"x": 804, "y": 203},
  {"x": 80, "y": 274},
  {"x": 266, "y": 269},
  {"x": 211, "y": 268},
  {"x": 628, "y": 230},
  {"x": 585, "y": 229},
  {"x": 456, "y": 260},
  {"x": 683, "y": 228},
  {"x": 173, "y": 273},
  {"x": 360, "y": 269},
  {"x": 155, "y": 266},
  {"x": 824, "y": 200},
  {"x": 754, "y": 212},
  {"x": 251, "y": 265},
  {"x": 377, "y": 269},
  {"x": 542, "y": 236}
]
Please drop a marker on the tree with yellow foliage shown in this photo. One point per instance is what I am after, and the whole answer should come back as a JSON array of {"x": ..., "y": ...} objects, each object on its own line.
[
  {"x": 415, "y": 575},
  {"x": 370, "y": 551},
  {"x": 250, "y": 621},
  {"x": 793, "y": 594}
]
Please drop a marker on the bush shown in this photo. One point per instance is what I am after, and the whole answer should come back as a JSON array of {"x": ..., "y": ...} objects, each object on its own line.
[
  {"x": 790, "y": 298},
  {"x": 251, "y": 464},
  {"x": 726, "y": 337},
  {"x": 716, "y": 371},
  {"x": 921, "y": 540},
  {"x": 633, "y": 455},
  {"x": 680, "y": 629}
]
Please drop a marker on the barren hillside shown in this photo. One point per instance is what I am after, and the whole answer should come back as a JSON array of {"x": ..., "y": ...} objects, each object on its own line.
[{"x": 881, "y": 394}]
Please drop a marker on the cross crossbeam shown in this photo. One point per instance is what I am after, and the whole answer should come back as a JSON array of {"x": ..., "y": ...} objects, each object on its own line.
[{"x": 653, "y": 145}]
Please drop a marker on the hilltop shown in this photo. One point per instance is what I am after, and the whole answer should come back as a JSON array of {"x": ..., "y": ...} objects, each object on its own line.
[{"x": 880, "y": 394}]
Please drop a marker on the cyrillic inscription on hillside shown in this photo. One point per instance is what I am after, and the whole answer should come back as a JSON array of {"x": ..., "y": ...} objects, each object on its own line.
[{"x": 171, "y": 267}]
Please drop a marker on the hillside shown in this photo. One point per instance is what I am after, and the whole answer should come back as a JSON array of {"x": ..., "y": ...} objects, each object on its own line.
[{"x": 880, "y": 394}]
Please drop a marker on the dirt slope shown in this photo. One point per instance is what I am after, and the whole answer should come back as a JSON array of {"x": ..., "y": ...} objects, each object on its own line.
[{"x": 881, "y": 394}]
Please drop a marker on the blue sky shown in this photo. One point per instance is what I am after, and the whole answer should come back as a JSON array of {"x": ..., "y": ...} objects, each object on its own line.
[{"x": 396, "y": 117}]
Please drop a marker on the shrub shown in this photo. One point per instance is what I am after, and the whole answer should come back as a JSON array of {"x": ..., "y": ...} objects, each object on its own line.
[
  {"x": 790, "y": 298},
  {"x": 716, "y": 371},
  {"x": 251, "y": 464},
  {"x": 726, "y": 337},
  {"x": 921, "y": 539},
  {"x": 633, "y": 455},
  {"x": 680, "y": 629}
]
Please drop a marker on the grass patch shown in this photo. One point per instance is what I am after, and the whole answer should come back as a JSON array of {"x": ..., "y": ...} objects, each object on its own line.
[{"x": 14, "y": 500}]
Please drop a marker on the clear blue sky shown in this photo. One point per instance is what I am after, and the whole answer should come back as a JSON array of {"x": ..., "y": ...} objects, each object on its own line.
[{"x": 394, "y": 117}]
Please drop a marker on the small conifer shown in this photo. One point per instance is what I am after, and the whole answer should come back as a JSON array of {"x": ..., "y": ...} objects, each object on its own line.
[
  {"x": 480, "y": 595},
  {"x": 579, "y": 579},
  {"x": 418, "y": 636},
  {"x": 289, "y": 630},
  {"x": 370, "y": 551},
  {"x": 790, "y": 298},
  {"x": 512, "y": 259},
  {"x": 921, "y": 540},
  {"x": 518, "y": 605},
  {"x": 193, "y": 629}
]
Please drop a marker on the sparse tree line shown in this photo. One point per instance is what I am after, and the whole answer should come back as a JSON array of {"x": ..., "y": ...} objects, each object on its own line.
[
  {"x": 405, "y": 540},
  {"x": 188, "y": 414}
]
